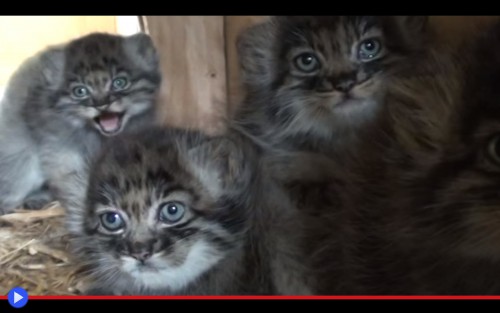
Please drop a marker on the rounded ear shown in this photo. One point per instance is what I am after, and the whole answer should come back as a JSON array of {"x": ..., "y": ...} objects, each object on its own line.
[
  {"x": 413, "y": 30},
  {"x": 52, "y": 64},
  {"x": 255, "y": 52},
  {"x": 121, "y": 151},
  {"x": 141, "y": 49},
  {"x": 411, "y": 34},
  {"x": 223, "y": 164},
  {"x": 413, "y": 25}
]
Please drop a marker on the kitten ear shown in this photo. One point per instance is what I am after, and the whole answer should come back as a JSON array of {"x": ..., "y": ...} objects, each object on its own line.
[
  {"x": 413, "y": 29},
  {"x": 413, "y": 25},
  {"x": 52, "y": 65},
  {"x": 141, "y": 49},
  {"x": 254, "y": 46},
  {"x": 222, "y": 164},
  {"x": 123, "y": 151},
  {"x": 412, "y": 32}
]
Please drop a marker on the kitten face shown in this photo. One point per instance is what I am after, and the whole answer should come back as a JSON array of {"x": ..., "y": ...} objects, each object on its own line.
[
  {"x": 152, "y": 222},
  {"x": 323, "y": 71},
  {"x": 455, "y": 168},
  {"x": 107, "y": 81},
  {"x": 166, "y": 243}
]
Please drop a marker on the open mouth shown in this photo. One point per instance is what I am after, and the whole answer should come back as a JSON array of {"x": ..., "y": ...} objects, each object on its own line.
[{"x": 110, "y": 123}]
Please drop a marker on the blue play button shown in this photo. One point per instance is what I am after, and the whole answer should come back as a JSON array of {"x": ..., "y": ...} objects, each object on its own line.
[{"x": 18, "y": 297}]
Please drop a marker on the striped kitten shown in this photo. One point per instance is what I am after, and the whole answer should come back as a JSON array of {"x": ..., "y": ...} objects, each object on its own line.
[
  {"x": 173, "y": 211},
  {"x": 315, "y": 82},
  {"x": 60, "y": 106},
  {"x": 314, "y": 89},
  {"x": 425, "y": 220}
]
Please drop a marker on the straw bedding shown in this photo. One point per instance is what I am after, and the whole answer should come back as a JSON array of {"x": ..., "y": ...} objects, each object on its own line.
[{"x": 34, "y": 253}]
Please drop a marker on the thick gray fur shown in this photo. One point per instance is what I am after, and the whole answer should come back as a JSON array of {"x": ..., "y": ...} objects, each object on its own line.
[{"x": 46, "y": 136}]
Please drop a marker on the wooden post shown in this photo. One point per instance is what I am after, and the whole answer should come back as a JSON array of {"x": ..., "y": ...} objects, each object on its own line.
[{"x": 192, "y": 55}]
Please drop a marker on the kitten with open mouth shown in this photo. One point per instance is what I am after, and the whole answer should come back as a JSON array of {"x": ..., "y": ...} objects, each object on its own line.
[
  {"x": 110, "y": 123},
  {"x": 62, "y": 104}
]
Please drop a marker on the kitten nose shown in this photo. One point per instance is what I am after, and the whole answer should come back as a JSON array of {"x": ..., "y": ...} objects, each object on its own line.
[
  {"x": 344, "y": 81},
  {"x": 141, "y": 256},
  {"x": 103, "y": 103},
  {"x": 142, "y": 251},
  {"x": 103, "y": 106},
  {"x": 345, "y": 85}
]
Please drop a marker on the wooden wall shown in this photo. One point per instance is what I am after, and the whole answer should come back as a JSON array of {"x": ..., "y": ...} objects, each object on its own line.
[
  {"x": 201, "y": 85},
  {"x": 199, "y": 62},
  {"x": 194, "y": 90}
]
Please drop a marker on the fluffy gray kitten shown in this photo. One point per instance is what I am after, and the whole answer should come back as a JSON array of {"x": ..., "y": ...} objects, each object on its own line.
[
  {"x": 63, "y": 103},
  {"x": 317, "y": 82},
  {"x": 172, "y": 211}
]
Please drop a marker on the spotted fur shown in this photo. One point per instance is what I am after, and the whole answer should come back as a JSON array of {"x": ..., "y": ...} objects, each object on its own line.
[{"x": 332, "y": 105}]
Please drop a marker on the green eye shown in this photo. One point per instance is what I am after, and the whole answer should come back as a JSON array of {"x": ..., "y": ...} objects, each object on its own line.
[
  {"x": 112, "y": 221},
  {"x": 307, "y": 62},
  {"x": 119, "y": 83},
  {"x": 172, "y": 212},
  {"x": 369, "y": 49},
  {"x": 80, "y": 92}
]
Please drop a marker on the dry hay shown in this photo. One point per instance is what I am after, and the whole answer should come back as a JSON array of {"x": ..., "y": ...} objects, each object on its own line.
[{"x": 34, "y": 253}]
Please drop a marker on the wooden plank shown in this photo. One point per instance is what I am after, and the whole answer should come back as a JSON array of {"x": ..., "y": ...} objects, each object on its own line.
[{"x": 193, "y": 93}]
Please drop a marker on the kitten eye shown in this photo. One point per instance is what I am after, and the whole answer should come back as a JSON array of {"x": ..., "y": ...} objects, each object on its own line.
[
  {"x": 119, "y": 83},
  {"x": 307, "y": 62},
  {"x": 112, "y": 221},
  {"x": 80, "y": 92},
  {"x": 494, "y": 149},
  {"x": 171, "y": 212},
  {"x": 368, "y": 49}
]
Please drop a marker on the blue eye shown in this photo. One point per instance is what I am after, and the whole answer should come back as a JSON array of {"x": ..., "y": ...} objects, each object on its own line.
[
  {"x": 307, "y": 62},
  {"x": 80, "y": 92},
  {"x": 172, "y": 212},
  {"x": 369, "y": 49},
  {"x": 112, "y": 221},
  {"x": 119, "y": 83}
]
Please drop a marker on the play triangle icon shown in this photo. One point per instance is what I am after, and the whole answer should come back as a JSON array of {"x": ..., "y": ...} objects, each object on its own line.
[{"x": 17, "y": 297}]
